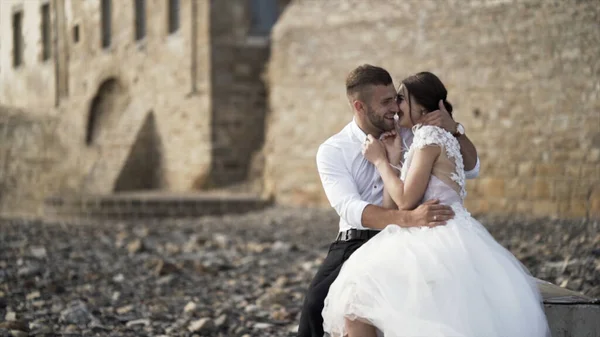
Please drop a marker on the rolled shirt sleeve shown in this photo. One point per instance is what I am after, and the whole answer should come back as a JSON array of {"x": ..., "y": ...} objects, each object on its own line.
[
  {"x": 340, "y": 188},
  {"x": 474, "y": 173}
]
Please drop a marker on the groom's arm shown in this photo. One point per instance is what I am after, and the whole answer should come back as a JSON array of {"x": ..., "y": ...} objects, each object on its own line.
[
  {"x": 429, "y": 214},
  {"x": 342, "y": 193},
  {"x": 470, "y": 158}
]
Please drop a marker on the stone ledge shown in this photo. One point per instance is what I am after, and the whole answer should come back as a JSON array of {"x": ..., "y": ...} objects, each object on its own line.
[
  {"x": 573, "y": 319},
  {"x": 152, "y": 205}
]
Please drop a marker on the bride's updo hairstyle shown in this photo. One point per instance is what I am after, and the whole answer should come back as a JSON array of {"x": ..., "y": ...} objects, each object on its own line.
[{"x": 427, "y": 90}]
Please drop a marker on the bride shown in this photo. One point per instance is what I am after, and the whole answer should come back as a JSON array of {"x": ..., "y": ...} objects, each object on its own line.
[{"x": 452, "y": 280}]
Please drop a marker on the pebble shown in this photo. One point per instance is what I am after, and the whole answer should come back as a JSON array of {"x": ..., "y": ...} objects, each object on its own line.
[
  {"x": 39, "y": 252},
  {"x": 18, "y": 333},
  {"x": 261, "y": 326},
  {"x": 33, "y": 295},
  {"x": 134, "y": 246},
  {"x": 143, "y": 321},
  {"x": 202, "y": 325},
  {"x": 125, "y": 309},
  {"x": 77, "y": 313},
  {"x": 191, "y": 306},
  {"x": 220, "y": 320}
]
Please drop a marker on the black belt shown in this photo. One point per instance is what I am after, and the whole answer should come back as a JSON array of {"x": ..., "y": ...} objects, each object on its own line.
[{"x": 355, "y": 234}]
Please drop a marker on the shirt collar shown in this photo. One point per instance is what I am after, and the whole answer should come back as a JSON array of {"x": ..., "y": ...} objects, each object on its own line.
[{"x": 357, "y": 132}]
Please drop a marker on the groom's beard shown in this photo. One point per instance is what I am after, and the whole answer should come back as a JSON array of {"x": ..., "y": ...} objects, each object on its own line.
[{"x": 379, "y": 121}]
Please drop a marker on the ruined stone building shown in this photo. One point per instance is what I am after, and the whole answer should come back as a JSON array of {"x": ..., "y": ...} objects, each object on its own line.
[{"x": 104, "y": 96}]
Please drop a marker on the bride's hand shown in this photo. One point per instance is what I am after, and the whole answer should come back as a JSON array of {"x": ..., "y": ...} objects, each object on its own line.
[
  {"x": 374, "y": 150},
  {"x": 393, "y": 146}
]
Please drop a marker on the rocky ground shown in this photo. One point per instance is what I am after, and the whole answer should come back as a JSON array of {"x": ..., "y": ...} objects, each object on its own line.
[{"x": 239, "y": 275}]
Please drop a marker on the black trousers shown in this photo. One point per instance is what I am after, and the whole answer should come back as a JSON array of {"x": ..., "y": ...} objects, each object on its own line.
[{"x": 311, "y": 321}]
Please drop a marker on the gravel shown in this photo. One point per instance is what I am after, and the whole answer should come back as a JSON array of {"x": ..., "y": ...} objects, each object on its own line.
[{"x": 238, "y": 275}]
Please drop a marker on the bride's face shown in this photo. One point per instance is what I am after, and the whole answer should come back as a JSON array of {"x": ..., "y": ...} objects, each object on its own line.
[{"x": 410, "y": 110}]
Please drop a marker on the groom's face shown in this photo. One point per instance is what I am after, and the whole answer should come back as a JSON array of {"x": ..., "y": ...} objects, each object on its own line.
[{"x": 382, "y": 107}]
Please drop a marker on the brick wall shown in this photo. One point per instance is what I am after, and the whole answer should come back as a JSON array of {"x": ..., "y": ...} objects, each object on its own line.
[{"x": 524, "y": 78}]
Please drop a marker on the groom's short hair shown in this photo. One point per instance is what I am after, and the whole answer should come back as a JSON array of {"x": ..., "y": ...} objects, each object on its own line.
[{"x": 362, "y": 77}]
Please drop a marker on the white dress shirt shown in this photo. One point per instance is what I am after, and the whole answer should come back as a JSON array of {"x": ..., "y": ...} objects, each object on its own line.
[{"x": 350, "y": 181}]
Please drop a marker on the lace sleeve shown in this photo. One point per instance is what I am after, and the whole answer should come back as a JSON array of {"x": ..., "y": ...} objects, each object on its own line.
[
  {"x": 429, "y": 135},
  {"x": 433, "y": 135}
]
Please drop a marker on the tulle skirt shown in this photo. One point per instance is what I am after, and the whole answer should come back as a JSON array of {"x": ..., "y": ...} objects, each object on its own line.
[{"x": 452, "y": 280}]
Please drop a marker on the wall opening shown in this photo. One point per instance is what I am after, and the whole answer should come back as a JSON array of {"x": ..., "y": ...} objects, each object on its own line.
[
  {"x": 173, "y": 16},
  {"x": 140, "y": 19},
  {"x": 76, "y": 33},
  {"x": 45, "y": 32},
  {"x": 106, "y": 22},
  {"x": 105, "y": 108},
  {"x": 17, "y": 25}
]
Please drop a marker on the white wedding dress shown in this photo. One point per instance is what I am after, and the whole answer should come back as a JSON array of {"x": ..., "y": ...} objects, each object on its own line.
[{"x": 447, "y": 281}]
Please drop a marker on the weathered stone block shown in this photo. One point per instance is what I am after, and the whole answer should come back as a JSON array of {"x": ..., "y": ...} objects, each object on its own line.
[
  {"x": 594, "y": 155},
  {"x": 493, "y": 187},
  {"x": 582, "y": 188},
  {"x": 590, "y": 172},
  {"x": 526, "y": 169},
  {"x": 545, "y": 208},
  {"x": 540, "y": 189},
  {"x": 502, "y": 205},
  {"x": 517, "y": 188},
  {"x": 549, "y": 170},
  {"x": 573, "y": 170},
  {"x": 476, "y": 206},
  {"x": 595, "y": 202},
  {"x": 578, "y": 208},
  {"x": 562, "y": 189},
  {"x": 524, "y": 206},
  {"x": 473, "y": 188}
]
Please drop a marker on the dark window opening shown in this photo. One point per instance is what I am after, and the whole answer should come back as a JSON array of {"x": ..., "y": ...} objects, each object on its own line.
[
  {"x": 173, "y": 18},
  {"x": 45, "y": 32},
  {"x": 17, "y": 23},
  {"x": 76, "y": 33},
  {"x": 140, "y": 19},
  {"x": 105, "y": 12}
]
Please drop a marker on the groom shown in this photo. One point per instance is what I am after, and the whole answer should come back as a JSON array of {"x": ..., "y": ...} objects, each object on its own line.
[{"x": 355, "y": 189}]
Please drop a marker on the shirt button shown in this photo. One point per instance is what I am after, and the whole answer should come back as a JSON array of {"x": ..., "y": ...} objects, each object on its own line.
[{"x": 375, "y": 186}]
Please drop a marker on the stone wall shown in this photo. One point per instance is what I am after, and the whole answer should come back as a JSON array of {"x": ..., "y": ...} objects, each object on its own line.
[
  {"x": 30, "y": 164},
  {"x": 524, "y": 78}
]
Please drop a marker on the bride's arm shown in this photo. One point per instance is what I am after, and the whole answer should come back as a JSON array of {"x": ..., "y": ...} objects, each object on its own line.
[
  {"x": 408, "y": 194},
  {"x": 388, "y": 202}
]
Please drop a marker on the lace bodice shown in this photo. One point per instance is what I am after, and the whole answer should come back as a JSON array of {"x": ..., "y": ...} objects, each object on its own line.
[{"x": 447, "y": 182}]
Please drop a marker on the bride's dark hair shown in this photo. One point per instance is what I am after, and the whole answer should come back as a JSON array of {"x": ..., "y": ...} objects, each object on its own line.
[{"x": 428, "y": 90}]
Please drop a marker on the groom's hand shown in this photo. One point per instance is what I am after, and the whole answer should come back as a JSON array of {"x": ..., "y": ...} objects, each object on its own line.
[
  {"x": 440, "y": 118},
  {"x": 431, "y": 214}
]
